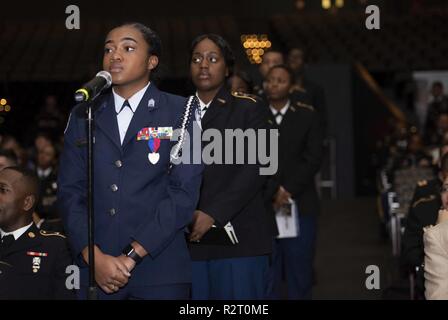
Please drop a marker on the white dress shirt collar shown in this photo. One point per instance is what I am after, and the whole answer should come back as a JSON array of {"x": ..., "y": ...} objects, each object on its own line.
[
  {"x": 282, "y": 110},
  {"x": 280, "y": 114},
  {"x": 17, "y": 233},
  {"x": 202, "y": 104},
  {"x": 43, "y": 173},
  {"x": 133, "y": 101},
  {"x": 199, "y": 114}
]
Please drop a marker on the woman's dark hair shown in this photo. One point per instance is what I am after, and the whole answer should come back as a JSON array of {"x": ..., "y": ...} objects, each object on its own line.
[
  {"x": 275, "y": 49},
  {"x": 226, "y": 50},
  {"x": 287, "y": 69},
  {"x": 245, "y": 77},
  {"x": 151, "y": 38}
]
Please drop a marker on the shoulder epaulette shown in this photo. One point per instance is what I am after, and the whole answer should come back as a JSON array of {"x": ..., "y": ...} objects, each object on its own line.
[
  {"x": 421, "y": 200},
  {"x": 422, "y": 183},
  {"x": 51, "y": 234},
  {"x": 304, "y": 105},
  {"x": 244, "y": 96}
]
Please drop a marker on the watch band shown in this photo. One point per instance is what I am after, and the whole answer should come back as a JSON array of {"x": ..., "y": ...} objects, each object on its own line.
[{"x": 129, "y": 251}]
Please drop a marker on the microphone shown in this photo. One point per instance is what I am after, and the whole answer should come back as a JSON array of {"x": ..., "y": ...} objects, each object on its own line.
[{"x": 93, "y": 88}]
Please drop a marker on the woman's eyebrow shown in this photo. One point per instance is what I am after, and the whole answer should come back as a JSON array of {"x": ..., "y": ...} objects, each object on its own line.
[
  {"x": 206, "y": 52},
  {"x": 128, "y": 38},
  {"x": 121, "y": 40}
]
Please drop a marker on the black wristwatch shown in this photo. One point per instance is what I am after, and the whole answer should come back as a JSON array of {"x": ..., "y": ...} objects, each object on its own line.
[{"x": 129, "y": 251}]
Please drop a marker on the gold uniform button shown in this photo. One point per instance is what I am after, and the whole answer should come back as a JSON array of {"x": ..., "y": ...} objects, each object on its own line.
[{"x": 31, "y": 234}]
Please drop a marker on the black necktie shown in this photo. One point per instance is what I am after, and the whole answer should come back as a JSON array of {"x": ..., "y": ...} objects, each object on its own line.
[
  {"x": 125, "y": 104},
  {"x": 203, "y": 112},
  {"x": 200, "y": 111},
  {"x": 278, "y": 117},
  {"x": 6, "y": 241}
]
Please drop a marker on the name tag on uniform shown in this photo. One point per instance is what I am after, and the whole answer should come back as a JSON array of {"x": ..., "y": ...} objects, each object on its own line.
[{"x": 164, "y": 133}]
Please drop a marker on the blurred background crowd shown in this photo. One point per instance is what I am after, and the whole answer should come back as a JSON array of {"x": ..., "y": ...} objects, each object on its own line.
[{"x": 381, "y": 94}]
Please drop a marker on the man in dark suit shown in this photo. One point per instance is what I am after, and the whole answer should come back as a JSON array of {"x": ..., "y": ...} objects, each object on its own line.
[
  {"x": 300, "y": 154},
  {"x": 32, "y": 261},
  {"x": 141, "y": 203},
  {"x": 231, "y": 194}
]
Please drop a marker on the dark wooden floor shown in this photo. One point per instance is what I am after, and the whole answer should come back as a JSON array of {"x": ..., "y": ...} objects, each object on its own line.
[{"x": 349, "y": 240}]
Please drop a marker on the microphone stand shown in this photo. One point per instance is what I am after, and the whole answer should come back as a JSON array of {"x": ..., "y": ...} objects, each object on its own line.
[
  {"x": 92, "y": 88},
  {"x": 92, "y": 293}
]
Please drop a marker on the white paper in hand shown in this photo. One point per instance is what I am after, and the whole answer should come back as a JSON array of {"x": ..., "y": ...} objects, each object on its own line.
[{"x": 287, "y": 218}]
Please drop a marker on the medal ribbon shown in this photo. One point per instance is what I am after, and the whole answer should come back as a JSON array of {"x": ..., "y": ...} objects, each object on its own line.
[{"x": 154, "y": 144}]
